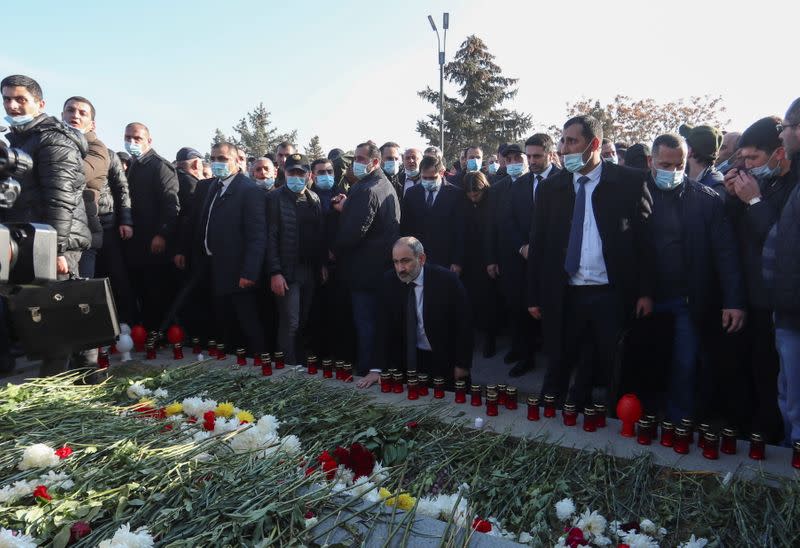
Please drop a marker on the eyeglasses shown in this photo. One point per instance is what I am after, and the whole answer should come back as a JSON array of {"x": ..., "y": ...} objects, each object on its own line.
[{"x": 780, "y": 127}]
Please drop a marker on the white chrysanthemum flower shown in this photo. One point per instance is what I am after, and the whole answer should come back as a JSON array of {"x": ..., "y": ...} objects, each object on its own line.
[
  {"x": 202, "y": 435},
  {"x": 428, "y": 506},
  {"x": 613, "y": 527},
  {"x": 565, "y": 508},
  {"x": 601, "y": 540},
  {"x": 268, "y": 424},
  {"x": 160, "y": 393},
  {"x": 562, "y": 543},
  {"x": 15, "y": 539},
  {"x": 379, "y": 472},
  {"x": 56, "y": 480},
  {"x": 694, "y": 543},
  {"x": 372, "y": 496},
  {"x": 197, "y": 407},
  {"x": 638, "y": 540},
  {"x": 344, "y": 475},
  {"x": 591, "y": 522},
  {"x": 648, "y": 527},
  {"x": 137, "y": 391},
  {"x": 290, "y": 444},
  {"x": 38, "y": 455},
  {"x": 311, "y": 522},
  {"x": 125, "y": 538},
  {"x": 662, "y": 532},
  {"x": 525, "y": 538}
]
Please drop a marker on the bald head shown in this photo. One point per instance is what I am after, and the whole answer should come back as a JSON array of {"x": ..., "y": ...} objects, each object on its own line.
[{"x": 730, "y": 142}]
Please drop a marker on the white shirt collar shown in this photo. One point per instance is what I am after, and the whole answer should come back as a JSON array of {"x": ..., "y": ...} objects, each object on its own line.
[
  {"x": 419, "y": 281},
  {"x": 544, "y": 174},
  {"x": 594, "y": 175}
]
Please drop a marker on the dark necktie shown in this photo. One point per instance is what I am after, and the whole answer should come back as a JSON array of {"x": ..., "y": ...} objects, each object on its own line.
[
  {"x": 411, "y": 327},
  {"x": 429, "y": 200},
  {"x": 535, "y": 186},
  {"x": 573, "y": 259}
]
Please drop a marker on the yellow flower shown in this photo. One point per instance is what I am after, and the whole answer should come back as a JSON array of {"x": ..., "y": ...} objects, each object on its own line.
[
  {"x": 403, "y": 501},
  {"x": 245, "y": 416},
  {"x": 224, "y": 410},
  {"x": 384, "y": 493},
  {"x": 145, "y": 401},
  {"x": 173, "y": 409}
]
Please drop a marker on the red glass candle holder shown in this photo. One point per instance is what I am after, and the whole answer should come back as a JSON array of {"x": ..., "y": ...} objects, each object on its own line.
[
  {"x": 629, "y": 411},
  {"x": 475, "y": 399},
  {"x": 257, "y": 361},
  {"x": 549, "y": 406},
  {"x": 279, "y": 361},
  {"x": 688, "y": 425},
  {"x": 113, "y": 350},
  {"x": 347, "y": 372},
  {"x": 150, "y": 351},
  {"x": 757, "y": 447},
  {"x": 266, "y": 369},
  {"x": 397, "y": 383},
  {"x": 653, "y": 426},
  {"x": 212, "y": 348},
  {"x": 461, "y": 392},
  {"x": 102, "y": 359},
  {"x": 338, "y": 367},
  {"x": 728, "y": 445},
  {"x": 177, "y": 351},
  {"x": 491, "y": 404},
  {"x": 644, "y": 436},
  {"x": 438, "y": 388},
  {"x": 386, "y": 382},
  {"x": 710, "y": 446},
  {"x": 667, "y": 434},
  {"x": 600, "y": 415},
  {"x": 413, "y": 392},
  {"x": 422, "y": 387},
  {"x": 221, "y": 351},
  {"x": 501, "y": 394},
  {"x": 533, "y": 408},
  {"x": 702, "y": 429},
  {"x": 241, "y": 357},
  {"x": 511, "y": 398},
  {"x": 589, "y": 420},
  {"x": 196, "y": 349},
  {"x": 682, "y": 441},
  {"x": 796, "y": 454},
  {"x": 327, "y": 369},
  {"x": 311, "y": 365},
  {"x": 569, "y": 414}
]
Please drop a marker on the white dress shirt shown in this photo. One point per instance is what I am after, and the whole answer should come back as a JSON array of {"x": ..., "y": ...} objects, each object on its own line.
[
  {"x": 544, "y": 175},
  {"x": 225, "y": 184},
  {"x": 592, "y": 268},
  {"x": 422, "y": 338},
  {"x": 409, "y": 183}
]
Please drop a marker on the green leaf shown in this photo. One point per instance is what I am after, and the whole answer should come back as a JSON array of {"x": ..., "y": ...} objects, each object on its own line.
[{"x": 62, "y": 538}]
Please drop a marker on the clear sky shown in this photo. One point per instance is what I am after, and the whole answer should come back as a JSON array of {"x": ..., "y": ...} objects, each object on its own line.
[{"x": 349, "y": 70}]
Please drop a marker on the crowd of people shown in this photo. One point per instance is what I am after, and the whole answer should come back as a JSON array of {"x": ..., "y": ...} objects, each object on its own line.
[{"x": 667, "y": 268}]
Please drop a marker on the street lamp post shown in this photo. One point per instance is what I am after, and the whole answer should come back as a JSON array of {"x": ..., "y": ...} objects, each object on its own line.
[{"x": 441, "y": 45}]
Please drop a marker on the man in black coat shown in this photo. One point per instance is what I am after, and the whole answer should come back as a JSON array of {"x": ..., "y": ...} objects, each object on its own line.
[
  {"x": 433, "y": 212},
  {"x": 153, "y": 186},
  {"x": 698, "y": 276},
  {"x": 368, "y": 227},
  {"x": 588, "y": 267},
  {"x": 295, "y": 253},
  {"x": 232, "y": 238},
  {"x": 425, "y": 321},
  {"x": 392, "y": 164}
]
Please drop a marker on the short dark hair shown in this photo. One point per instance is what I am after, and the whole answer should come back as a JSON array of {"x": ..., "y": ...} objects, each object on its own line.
[
  {"x": 141, "y": 125},
  {"x": 319, "y": 161},
  {"x": 793, "y": 111},
  {"x": 541, "y": 140},
  {"x": 470, "y": 147},
  {"x": 762, "y": 134},
  {"x": 228, "y": 145},
  {"x": 669, "y": 140},
  {"x": 429, "y": 162},
  {"x": 79, "y": 99},
  {"x": 285, "y": 144},
  {"x": 590, "y": 126},
  {"x": 606, "y": 141},
  {"x": 373, "y": 152},
  {"x": 475, "y": 181},
  {"x": 19, "y": 80},
  {"x": 389, "y": 144}
]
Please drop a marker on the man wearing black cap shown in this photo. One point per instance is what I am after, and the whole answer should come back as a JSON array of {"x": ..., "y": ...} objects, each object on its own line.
[
  {"x": 295, "y": 253},
  {"x": 704, "y": 143},
  {"x": 638, "y": 156},
  {"x": 500, "y": 173},
  {"x": 189, "y": 164}
]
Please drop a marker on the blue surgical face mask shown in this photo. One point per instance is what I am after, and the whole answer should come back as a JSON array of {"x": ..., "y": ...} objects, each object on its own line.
[
  {"x": 668, "y": 180},
  {"x": 220, "y": 170},
  {"x": 269, "y": 183},
  {"x": 390, "y": 167},
  {"x": 724, "y": 166},
  {"x": 359, "y": 170},
  {"x": 764, "y": 172},
  {"x": 611, "y": 159},
  {"x": 21, "y": 120},
  {"x": 430, "y": 185},
  {"x": 473, "y": 164},
  {"x": 493, "y": 167},
  {"x": 134, "y": 149},
  {"x": 411, "y": 173},
  {"x": 296, "y": 184},
  {"x": 515, "y": 170},
  {"x": 324, "y": 182},
  {"x": 575, "y": 162}
]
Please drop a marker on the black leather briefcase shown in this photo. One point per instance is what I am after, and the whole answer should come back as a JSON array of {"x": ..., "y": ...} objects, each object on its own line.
[{"x": 59, "y": 318}]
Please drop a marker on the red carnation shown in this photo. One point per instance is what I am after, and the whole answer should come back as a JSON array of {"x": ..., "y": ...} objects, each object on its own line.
[
  {"x": 63, "y": 452},
  {"x": 41, "y": 493},
  {"x": 623, "y": 545},
  {"x": 329, "y": 467},
  {"x": 412, "y": 424},
  {"x": 310, "y": 471},
  {"x": 342, "y": 456},
  {"x": 208, "y": 420},
  {"x": 79, "y": 530},
  {"x": 481, "y": 525},
  {"x": 309, "y": 514},
  {"x": 362, "y": 461},
  {"x": 575, "y": 537}
]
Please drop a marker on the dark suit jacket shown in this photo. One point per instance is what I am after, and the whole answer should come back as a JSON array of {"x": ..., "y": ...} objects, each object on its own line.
[
  {"x": 497, "y": 196},
  {"x": 237, "y": 234},
  {"x": 621, "y": 204},
  {"x": 446, "y": 316},
  {"x": 440, "y": 228}
]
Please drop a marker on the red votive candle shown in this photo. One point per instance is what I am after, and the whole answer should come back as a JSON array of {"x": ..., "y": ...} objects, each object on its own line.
[
  {"x": 549, "y": 406},
  {"x": 533, "y": 408},
  {"x": 688, "y": 425},
  {"x": 220, "y": 351},
  {"x": 150, "y": 350},
  {"x": 757, "y": 447},
  {"x": 327, "y": 369},
  {"x": 413, "y": 392},
  {"x": 681, "y": 442},
  {"x": 600, "y": 415},
  {"x": 102, "y": 359},
  {"x": 491, "y": 404},
  {"x": 196, "y": 346},
  {"x": 710, "y": 446},
  {"x": 241, "y": 356},
  {"x": 644, "y": 436},
  {"x": 589, "y": 420},
  {"x": 397, "y": 383},
  {"x": 212, "y": 348},
  {"x": 569, "y": 414},
  {"x": 728, "y": 445},
  {"x": 653, "y": 426},
  {"x": 702, "y": 428},
  {"x": 338, "y": 366},
  {"x": 386, "y": 382},
  {"x": 438, "y": 388},
  {"x": 279, "y": 363},
  {"x": 475, "y": 395},
  {"x": 501, "y": 394},
  {"x": 422, "y": 386},
  {"x": 796, "y": 454},
  {"x": 667, "y": 434},
  {"x": 266, "y": 368},
  {"x": 347, "y": 372},
  {"x": 511, "y": 398},
  {"x": 177, "y": 351},
  {"x": 257, "y": 361},
  {"x": 311, "y": 365},
  {"x": 461, "y": 392}
]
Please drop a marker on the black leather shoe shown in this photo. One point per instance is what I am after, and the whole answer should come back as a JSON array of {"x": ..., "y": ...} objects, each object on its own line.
[
  {"x": 521, "y": 368},
  {"x": 511, "y": 357}
]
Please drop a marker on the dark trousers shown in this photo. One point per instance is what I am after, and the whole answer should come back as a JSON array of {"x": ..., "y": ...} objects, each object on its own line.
[
  {"x": 331, "y": 321},
  {"x": 238, "y": 322},
  {"x": 293, "y": 310},
  {"x": 151, "y": 287},
  {"x": 110, "y": 264},
  {"x": 591, "y": 319},
  {"x": 191, "y": 305},
  {"x": 365, "y": 318},
  {"x": 86, "y": 266},
  {"x": 268, "y": 312}
]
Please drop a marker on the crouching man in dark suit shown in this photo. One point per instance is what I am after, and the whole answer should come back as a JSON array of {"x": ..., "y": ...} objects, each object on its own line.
[{"x": 424, "y": 324}]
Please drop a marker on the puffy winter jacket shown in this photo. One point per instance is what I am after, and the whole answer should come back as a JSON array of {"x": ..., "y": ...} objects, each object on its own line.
[
  {"x": 52, "y": 191},
  {"x": 114, "y": 203}
]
